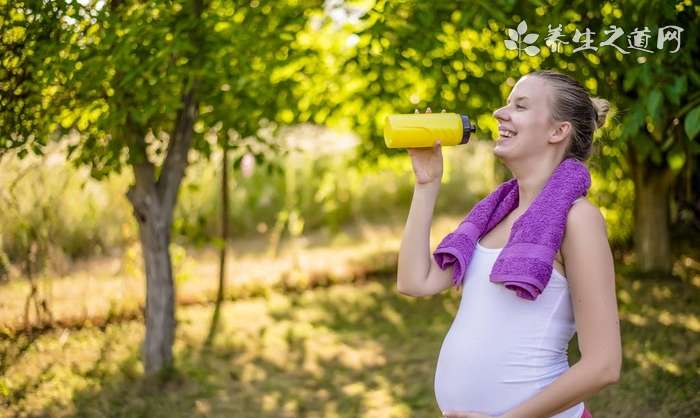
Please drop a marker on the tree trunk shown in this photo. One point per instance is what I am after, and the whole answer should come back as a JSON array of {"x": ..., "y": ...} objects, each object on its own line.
[
  {"x": 153, "y": 202},
  {"x": 154, "y": 233},
  {"x": 160, "y": 293},
  {"x": 222, "y": 257},
  {"x": 153, "y": 197},
  {"x": 652, "y": 241}
]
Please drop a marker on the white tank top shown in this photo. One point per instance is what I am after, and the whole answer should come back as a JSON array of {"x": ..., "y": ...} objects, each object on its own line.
[{"x": 502, "y": 349}]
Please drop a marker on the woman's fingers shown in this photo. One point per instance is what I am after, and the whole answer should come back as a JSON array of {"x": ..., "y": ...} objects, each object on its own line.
[{"x": 427, "y": 110}]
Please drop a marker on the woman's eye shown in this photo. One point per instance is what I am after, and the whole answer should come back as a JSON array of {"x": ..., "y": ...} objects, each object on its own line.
[{"x": 519, "y": 107}]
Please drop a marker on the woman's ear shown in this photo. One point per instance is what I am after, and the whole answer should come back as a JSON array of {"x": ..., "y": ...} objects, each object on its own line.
[{"x": 561, "y": 131}]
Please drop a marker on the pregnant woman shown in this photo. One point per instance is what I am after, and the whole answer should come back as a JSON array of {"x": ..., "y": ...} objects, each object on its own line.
[{"x": 533, "y": 263}]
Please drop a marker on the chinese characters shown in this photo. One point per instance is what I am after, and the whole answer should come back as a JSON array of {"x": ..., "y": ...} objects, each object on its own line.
[{"x": 636, "y": 40}]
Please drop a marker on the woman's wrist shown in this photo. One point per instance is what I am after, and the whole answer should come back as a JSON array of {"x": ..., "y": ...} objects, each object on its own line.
[{"x": 431, "y": 186}]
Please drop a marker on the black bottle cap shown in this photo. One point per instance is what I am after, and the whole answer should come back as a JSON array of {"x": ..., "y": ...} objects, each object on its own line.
[{"x": 467, "y": 129}]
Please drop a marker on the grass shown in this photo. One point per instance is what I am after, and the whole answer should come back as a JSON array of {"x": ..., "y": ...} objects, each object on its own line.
[
  {"x": 100, "y": 288},
  {"x": 355, "y": 349},
  {"x": 345, "y": 350}
]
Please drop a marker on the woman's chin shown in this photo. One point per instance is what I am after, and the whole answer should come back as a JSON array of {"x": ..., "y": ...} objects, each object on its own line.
[
  {"x": 501, "y": 146},
  {"x": 504, "y": 141}
]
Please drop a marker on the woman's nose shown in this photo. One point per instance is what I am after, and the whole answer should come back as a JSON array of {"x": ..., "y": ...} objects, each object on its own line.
[{"x": 500, "y": 113}]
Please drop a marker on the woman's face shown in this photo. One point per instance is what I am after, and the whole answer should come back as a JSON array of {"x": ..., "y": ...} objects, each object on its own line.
[{"x": 524, "y": 124}]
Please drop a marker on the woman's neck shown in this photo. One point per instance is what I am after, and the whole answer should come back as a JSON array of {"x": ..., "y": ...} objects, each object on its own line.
[{"x": 531, "y": 179}]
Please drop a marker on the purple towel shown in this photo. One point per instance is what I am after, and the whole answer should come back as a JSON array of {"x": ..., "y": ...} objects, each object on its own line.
[{"x": 525, "y": 264}]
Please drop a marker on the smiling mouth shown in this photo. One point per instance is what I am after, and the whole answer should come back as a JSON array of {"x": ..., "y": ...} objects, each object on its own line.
[
  {"x": 506, "y": 134},
  {"x": 504, "y": 139}
]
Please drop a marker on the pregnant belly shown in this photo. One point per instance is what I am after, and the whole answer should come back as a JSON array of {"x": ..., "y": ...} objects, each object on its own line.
[
  {"x": 474, "y": 374},
  {"x": 473, "y": 384}
]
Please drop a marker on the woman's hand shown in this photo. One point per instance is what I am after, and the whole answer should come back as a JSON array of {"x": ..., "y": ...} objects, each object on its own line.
[
  {"x": 427, "y": 162},
  {"x": 454, "y": 414}
]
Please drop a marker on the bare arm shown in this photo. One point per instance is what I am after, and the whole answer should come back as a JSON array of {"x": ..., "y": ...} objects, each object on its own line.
[
  {"x": 418, "y": 273},
  {"x": 591, "y": 276}
]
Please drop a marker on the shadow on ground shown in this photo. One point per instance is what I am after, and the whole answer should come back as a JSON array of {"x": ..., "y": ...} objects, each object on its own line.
[{"x": 348, "y": 350}]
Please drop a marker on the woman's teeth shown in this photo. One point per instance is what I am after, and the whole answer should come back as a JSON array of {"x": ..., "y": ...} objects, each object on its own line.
[{"x": 505, "y": 133}]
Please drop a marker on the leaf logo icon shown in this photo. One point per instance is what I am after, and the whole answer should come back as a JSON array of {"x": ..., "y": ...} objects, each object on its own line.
[{"x": 515, "y": 40}]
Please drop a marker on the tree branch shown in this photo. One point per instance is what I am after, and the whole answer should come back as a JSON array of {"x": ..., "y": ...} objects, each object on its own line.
[{"x": 175, "y": 163}]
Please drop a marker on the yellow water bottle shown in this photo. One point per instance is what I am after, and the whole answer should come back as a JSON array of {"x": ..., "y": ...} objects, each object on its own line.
[{"x": 419, "y": 130}]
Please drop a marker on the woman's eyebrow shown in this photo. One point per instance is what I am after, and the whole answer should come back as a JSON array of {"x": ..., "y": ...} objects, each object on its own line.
[{"x": 519, "y": 98}]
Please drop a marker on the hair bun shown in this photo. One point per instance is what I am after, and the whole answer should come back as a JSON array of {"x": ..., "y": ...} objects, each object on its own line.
[{"x": 601, "y": 107}]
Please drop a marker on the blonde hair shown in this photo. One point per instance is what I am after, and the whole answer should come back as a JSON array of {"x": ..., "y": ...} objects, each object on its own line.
[{"x": 572, "y": 103}]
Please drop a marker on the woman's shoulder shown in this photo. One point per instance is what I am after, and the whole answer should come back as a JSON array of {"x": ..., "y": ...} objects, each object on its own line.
[
  {"x": 584, "y": 218},
  {"x": 584, "y": 210}
]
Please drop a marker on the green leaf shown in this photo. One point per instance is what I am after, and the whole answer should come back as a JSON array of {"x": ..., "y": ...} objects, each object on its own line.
[
  {"x": 642, "y": 144},
  {"x": 675, "y": 90},
  {"x": 630, "y": 79},
  {"x": 633, "y": 121},
  {"x": 692, "y": 123},
  {"x": 646, "y": 76},
  {"x": 654, "y": 103}
]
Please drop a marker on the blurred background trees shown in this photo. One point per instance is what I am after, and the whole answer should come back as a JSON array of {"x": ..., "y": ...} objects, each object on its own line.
[{"x": 146, "y": 95}]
